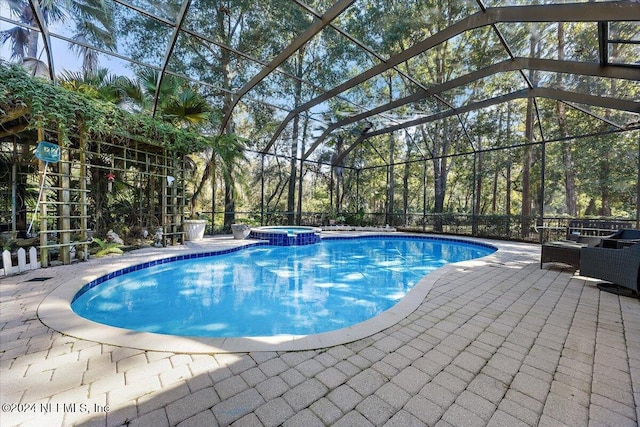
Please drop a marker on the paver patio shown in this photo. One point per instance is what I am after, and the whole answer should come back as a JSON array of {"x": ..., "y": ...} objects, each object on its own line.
[{"x": 498, "y": 342}]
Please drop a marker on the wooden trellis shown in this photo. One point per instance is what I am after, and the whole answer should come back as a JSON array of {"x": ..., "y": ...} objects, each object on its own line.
[{"x": 81, "y": 192}]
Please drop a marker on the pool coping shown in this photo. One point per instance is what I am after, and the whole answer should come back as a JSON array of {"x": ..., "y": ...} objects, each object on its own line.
[{"x": 55, "y": 311}]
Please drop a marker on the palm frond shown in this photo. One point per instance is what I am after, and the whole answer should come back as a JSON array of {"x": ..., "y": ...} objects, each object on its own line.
[
  {"x": 52, "y": 11},
  {"x": 19, "y": 38},
  {"x": 187, "y": 106}
]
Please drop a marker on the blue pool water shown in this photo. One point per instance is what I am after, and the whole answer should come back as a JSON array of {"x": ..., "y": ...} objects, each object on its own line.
[{"x": 270, "y": 290}]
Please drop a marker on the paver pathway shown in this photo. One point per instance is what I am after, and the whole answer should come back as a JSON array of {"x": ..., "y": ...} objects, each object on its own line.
[{"x": 502, "y": 343}]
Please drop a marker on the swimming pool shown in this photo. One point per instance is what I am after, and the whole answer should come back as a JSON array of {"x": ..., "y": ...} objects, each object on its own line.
[{"x": 268, "y": 291}]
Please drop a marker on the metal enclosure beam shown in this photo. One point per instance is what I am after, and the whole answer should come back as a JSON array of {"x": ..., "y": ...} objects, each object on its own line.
[
  {"x": 581, "y": 68},
  {"x": 46, "y": 38},
  {"x": 555, "y": 94},
  {"x": 577, "y": 12},
  {"x": 603, "y": 42},
  {"x": 167, "y": 56},
  {"x": 301, "y": 40}
]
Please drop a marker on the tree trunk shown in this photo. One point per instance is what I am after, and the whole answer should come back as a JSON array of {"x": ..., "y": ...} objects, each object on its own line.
[
  {"x": 391, "y": 191},
  {"x": 405, "y": 185},
  {"x": 229, "y": 204},
  {"x": 224, "y": 32},
  {"x": 527, "y": 158},
  {"x": 494, "y": 192},
  {"x": 478, "y": 195},
  {"x": 567, "y": 160},
  {"x": 605, "y": 178},
  {"x": 494, "y": 187},
  {"x": 439, "y": 149},
  {"x": 440, "y": 186},
  {"x": 338, "y": 171},
  {"x": 229, "y": 184},
  {"x": 301, "y": 174},
  {"x": 507, "y": 208},
  {"x": 32, "y": 44},
  {"x": 291, "y": 196},
  {"x": 213, "y": 194}
]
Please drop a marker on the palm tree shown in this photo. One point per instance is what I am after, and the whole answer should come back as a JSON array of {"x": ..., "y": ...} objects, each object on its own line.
[
  {"x": 94, "y": 25},
  {"x": 181, "y": 105},
  {"x": 98, "y": 84},
  {"x": 178, "y": 102},
  {"x": 226, "y": 156},
  {"x": 339, "y": 112}
]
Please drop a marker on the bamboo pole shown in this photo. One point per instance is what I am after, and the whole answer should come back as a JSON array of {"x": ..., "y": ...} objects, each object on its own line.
[
  {"x": 42, "y": 201},
  {"x": 65, "y": 197},
  {"x": 14, "y": 187},
  {"x": 163, "y": 190},
  {"x": 173, "y": 197},
  {"x": 84, "y": 226},
  {"x": 638, "y": 188}
]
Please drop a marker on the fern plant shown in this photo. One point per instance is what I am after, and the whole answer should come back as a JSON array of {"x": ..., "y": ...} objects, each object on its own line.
[{"x": 107, "y": 248}]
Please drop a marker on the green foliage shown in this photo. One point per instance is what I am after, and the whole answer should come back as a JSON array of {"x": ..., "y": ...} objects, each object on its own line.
[
  {"x": 52, "y": 106},
  {"x": 107, "y": 248}
]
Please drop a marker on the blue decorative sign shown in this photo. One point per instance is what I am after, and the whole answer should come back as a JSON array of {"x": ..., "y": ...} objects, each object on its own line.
[{"x": 48, "y": 152}]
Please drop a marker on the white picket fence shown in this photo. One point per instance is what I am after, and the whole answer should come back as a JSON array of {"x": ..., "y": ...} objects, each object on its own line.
[{"x": 10, "y": 269}]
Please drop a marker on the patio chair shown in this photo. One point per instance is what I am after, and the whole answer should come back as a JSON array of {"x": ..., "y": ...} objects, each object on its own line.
[
  {"x": 621, "y": 267},
  {"x": 622, "y": 238},
  {"x": 567, "y": 251}
]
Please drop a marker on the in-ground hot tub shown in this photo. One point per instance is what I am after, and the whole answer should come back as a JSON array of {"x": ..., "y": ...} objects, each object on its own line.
[{"x": 286, "y": 235}]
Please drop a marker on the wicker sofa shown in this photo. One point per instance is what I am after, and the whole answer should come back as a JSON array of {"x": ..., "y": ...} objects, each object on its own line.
[{"x": 621, "y": 266}]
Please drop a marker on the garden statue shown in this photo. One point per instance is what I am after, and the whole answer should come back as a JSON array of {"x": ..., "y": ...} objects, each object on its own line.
[{"x": 157, "y": 239}]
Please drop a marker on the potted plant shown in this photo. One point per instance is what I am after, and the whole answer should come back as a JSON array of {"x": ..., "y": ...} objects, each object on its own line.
[
  {"x": 240, "y": 231},
  {"x": 333, "y": 217},
  {"x": 194, "y": 228}
]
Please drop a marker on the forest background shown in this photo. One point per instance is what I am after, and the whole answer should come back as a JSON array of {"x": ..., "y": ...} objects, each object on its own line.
[{"x": 524, "y": 158}]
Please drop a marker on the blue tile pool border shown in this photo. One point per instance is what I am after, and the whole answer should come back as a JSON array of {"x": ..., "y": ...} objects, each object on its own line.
[
  {"x": 300, "y": 238},
  {"x": 160, "y": 261}
]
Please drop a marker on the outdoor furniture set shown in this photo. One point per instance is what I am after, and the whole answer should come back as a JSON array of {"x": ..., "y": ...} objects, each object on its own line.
[{"x": 614, "y": 258}]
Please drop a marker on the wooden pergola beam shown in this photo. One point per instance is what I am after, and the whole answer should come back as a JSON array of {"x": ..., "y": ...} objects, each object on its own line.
[
  {"x": 14, "y": 114},
  {"x": 13, "y": 130}
]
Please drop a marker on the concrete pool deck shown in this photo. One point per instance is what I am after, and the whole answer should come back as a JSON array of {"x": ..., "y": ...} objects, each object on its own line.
[{"x": 495, "y": 341}]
